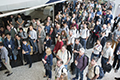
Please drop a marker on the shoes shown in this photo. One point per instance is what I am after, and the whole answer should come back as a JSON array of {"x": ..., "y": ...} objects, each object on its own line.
[
  {"x": 116, "y": 70},
  {"x": 6, "y": 72},
  {"x": 74, "y": 79},
  {"x": 9, "y": 74},
  {"x": 36, "y": 52},
  {"x": 26, "y": 63},
  {"x": 117, "y": 78},
  {"x": 30, "y": 66},
  {"x": 44, "y": 76}
]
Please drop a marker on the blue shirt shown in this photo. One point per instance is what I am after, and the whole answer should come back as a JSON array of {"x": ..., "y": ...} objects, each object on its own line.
[
  {"x": 26, "y": 47},
  {"x": 47, "y": 28}
]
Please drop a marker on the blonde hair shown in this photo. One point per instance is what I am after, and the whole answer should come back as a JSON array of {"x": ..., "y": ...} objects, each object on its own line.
[{"x": 48, "y": 51}]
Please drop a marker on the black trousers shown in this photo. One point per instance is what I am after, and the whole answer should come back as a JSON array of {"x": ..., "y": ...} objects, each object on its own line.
[
  {"x": 21, "y": 55},
  {"x": 28, "y": 59},
  {"x": 115, "y": 62},
  {"x": 69, "y": 48}
]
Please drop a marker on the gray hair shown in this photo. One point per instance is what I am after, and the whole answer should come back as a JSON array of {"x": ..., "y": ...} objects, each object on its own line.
[{"x": 82, "y": 50}]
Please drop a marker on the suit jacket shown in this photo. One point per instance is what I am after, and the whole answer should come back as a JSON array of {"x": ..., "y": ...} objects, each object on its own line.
[
  {"x": 43, "y": 35},
  {"x": 11, "y": 42},
  {"x": 17, "y": 45},
  {"x": 48, "y": 42},
  {"x": 49, "y": 58},
  {"x": 103, "y": 41},
  {"x": 116, "y": 49}
]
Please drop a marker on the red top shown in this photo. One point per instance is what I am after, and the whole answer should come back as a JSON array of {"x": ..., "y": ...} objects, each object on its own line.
[
  {"x": 45, "y": 58},
  {"x": 58, "y": 46}
]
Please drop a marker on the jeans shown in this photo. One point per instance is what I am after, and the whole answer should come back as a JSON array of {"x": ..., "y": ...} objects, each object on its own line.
[
  {"x": 77, "y": 74},
  {"x": 34, "y": 45},
  {"x": 15, "y": 57},
  {"x": 66, "y": 66},
  {"x": 48, "y": 73},
  {"x": 92, "y": 55},
  {"x": 83, "y": 42},
  {"x": 104, "y": 61}
]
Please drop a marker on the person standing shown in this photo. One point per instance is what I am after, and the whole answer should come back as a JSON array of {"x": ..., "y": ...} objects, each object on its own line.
[
  {"x": 59, "y": 70},
  {"x": 64, "y": 55},
  {"x": 93, "y": 69},
  {"x": 77, "y": 45},
  {"x": 106, "y": 54},
  {"x": 9, "y": 43},
  {"x": 5, "y": 59},
  {"x": 47, "y": 59},
  {"x": 84, "y": 33},
  {"x": 81, "y": 63},
  {"x": 117, "y": 57},
  {"x": 96, "y": 49},
  {"x": 33, "y": 39},
  {"x": 26, "y": 51},
  {"x": 40, "y": 38}
]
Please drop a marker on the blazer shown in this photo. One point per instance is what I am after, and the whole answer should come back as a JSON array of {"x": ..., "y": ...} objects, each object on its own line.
[
  {"x": 11, "y": 42},
  {"x": 49, "y": 58},
  {"x": 42, "y": 34},
  {"x": 48, "y": 42},
  {"x": 17, "y": 45},
  {"x": 103, "y": 40}
]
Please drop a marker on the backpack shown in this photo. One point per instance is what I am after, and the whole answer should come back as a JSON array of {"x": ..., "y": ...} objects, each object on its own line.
[
  {"x": 31, "y": 52},
  {"x": 84, "y": 60},
  {"x": 68, "y": 54},
  {"x": 101, "y": 74}
]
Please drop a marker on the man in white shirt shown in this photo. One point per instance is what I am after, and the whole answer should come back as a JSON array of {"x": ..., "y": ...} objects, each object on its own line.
[
  {"x": 84, "y": 33},
  {"x": 33, "y": 38},
  {"x": 106, "y": 54}
]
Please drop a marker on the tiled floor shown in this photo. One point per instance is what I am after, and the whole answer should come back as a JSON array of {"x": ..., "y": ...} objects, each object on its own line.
[{"x": 37, "y": 72}]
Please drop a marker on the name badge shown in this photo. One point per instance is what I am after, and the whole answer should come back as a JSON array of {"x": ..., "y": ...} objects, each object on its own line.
[{"x": 9, "y": 46}]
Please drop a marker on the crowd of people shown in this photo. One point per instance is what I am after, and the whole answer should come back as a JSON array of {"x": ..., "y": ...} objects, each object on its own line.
[{"x": 76, "y": 28}]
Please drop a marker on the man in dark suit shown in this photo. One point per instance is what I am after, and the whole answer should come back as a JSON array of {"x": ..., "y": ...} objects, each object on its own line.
[
  {"x": 117, "y": 56},
  {"x": 117, "y": 20},
  {"x": 103, "y": 39},
  {"x": 18, "y": 46}
]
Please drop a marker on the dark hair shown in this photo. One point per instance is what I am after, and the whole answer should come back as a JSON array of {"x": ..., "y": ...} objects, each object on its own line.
[
  {"x": 25, "y": 40},
  {"x": 61, "y": 62},
  {"x": 21, "y": 29},
  {"x": 18, "y": 35},
  {"x": 8, "y": 34}
]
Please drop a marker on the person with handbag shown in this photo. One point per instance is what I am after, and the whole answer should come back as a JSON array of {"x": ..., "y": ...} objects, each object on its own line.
[
  {"x": 106, "y": 55},
  {"x": 48, "y": 62}
]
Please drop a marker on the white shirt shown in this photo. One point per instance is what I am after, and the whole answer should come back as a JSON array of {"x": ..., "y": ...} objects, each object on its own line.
[
  {"x": 98, "y": 49},
  {"x": 75, "y": 33},
  {"x": 71, "y": 40},
  {"x": 84, "y": 33},
  {"x": 33, "y": 34},
  {"x": 107, "y": 52}
]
